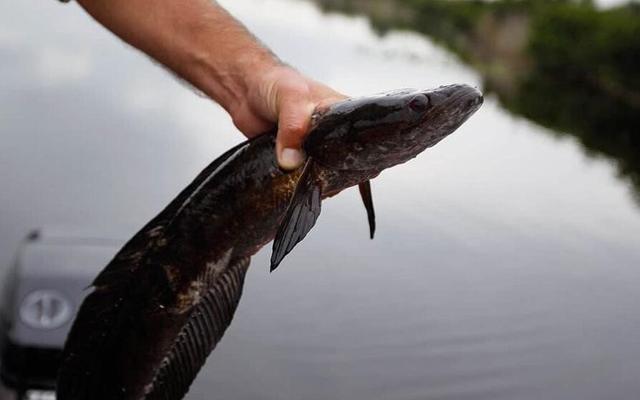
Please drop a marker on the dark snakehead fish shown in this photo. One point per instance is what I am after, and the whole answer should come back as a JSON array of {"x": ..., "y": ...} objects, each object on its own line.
[{"x": 163, "y": 303}]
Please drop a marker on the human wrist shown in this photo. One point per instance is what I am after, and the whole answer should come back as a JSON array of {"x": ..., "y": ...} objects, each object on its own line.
[{"x": 249, "y": 72}]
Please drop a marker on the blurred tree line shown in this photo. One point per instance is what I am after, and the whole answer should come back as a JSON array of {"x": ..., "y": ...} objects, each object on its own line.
[{"x": 563, "y": 63}]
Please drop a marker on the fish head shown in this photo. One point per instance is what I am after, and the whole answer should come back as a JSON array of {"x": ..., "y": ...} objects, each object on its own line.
[{"x": 372, "y": 133}]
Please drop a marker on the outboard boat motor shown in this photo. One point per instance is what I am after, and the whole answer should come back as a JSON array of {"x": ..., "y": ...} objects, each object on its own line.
[{"x": 42, "y": 292}]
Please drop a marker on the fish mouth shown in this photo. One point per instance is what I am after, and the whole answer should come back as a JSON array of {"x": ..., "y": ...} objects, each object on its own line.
[
  {"x": 452, "y": 105},
  {"x": 459, "y": 96}
]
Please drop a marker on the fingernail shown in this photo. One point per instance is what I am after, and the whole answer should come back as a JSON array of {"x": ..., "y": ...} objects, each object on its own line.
[
  {"x": 291, "y": 158},
  {"x": 311, "y": 107}
]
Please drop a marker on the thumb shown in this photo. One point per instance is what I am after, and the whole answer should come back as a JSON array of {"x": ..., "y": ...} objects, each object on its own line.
[{"x": 293, "y": 124}]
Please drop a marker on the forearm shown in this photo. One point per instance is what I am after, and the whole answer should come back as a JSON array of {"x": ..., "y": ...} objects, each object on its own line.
[
  {"x": 196, "y": 39},
  {"x": 205, "y": 46}
]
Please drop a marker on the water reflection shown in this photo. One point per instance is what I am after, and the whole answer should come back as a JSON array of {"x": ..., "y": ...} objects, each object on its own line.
[
  {"x": 571, "y": 66},
  {"x": 505, "y": 263}
]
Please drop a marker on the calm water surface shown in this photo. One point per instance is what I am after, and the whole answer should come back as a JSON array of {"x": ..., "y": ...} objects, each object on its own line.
[{"x": 506, "y": 264}]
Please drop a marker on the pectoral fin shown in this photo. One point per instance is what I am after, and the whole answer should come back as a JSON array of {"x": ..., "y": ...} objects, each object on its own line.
[
  {"x": 365, "y": 193},
  {"x": 301, "y": 215}
]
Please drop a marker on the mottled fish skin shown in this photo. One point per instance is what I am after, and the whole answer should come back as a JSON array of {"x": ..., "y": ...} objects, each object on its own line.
[{"x": 161, "y": 305}]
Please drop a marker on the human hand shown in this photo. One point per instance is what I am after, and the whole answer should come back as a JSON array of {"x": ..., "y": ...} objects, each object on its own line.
[{"x": 283, "y": 96}]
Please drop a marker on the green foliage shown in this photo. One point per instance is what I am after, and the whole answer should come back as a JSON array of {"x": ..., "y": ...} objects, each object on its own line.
[
  {"x": 446, "y": 22},
  {"x": 585, "y": 79}
]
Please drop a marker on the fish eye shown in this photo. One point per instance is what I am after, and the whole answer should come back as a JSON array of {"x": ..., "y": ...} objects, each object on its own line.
[{"x": 419, "y": 103}]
